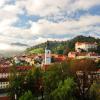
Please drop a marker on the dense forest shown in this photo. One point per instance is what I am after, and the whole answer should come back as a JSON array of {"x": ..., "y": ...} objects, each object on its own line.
[{"x": 62, "y": 47}]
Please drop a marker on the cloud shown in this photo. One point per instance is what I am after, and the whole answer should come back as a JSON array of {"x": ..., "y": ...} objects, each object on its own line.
[
  {"x": 2, "y": 3},
  {"x": 85, "y": 4},
  {"x": 54, "y": 7},
  {"x": 8, "y": 47},
  {"x": 43, "y": 27},
  {"x": 35, "y": 21}
]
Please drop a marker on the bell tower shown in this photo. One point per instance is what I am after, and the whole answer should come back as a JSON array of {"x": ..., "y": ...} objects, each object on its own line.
[{"x": 47, "y": 54}]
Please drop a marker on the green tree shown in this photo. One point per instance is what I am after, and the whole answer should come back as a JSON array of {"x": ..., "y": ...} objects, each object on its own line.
[
  {"x": 60, "y": 49},
  {"x": 95, "y": 92},
  {"x": 56, "y": 73},
  {"x": 64, "y": 91},
  {"x": 27, "y": 96},
  {"x": 37, "y": 51},
  {"x": 15, "y": 82},
  {"x": 34, "y": 80}
]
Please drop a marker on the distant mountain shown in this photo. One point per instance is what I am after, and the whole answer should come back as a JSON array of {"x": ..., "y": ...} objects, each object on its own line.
[
  {"x": 19, "y": 44},
  {"x": 58, "y": 46}
]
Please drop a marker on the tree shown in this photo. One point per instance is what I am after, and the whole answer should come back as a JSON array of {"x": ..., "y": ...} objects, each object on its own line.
[
  {"x": 27, "y": 96},
  {"x": 34, "y": 80},
  {"x": 37, "y": 51},
  {"x": 15, "y": 83},
  {"x": 19, "y": 83},
  {"x": 94, "y": 92},
  {"x": 98, "y": 64},
  {"x": 64, "y": 91},
  {"x": 51, "y": 78},
  {"x": 55, "y": 73},
  {"x": 82, "y": 65},
  {"x": 82, "y": 70},
  {"x": 66, "y": 51}
]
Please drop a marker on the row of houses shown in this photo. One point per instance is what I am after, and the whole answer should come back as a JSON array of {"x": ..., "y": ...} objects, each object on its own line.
[{"x": 81, "y": 55}]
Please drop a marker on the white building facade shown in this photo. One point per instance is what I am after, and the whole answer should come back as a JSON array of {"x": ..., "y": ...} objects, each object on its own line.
[
  {"x": 47, "y": 56},
  {"x": 85, "y": 46}
]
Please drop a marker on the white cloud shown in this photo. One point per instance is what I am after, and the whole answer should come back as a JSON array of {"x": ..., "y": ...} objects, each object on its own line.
[
  {"x": 44, "y": 28},
  {"x": 85, "y": 4},
  {"x": 2, "y": 2},
  {"x": 4, "y": 46},
  {"x": 54, "y": 7},
  {"x": 41, "y": 7}
]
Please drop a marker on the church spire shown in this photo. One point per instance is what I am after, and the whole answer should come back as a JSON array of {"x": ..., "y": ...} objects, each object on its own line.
[
  {"x": 47, "y": 45},
  {"x": 47, "y": 54}
]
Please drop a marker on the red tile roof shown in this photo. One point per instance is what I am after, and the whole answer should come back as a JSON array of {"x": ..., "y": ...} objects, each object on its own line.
[
  {"x": 19, "y": 68},
  {"x": 24, "y": 67}
]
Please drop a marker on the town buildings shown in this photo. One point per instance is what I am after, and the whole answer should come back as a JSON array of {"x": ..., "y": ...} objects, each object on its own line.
[
  {"x": 82, "y": 51},
  {"x": 82, "y": 55}
]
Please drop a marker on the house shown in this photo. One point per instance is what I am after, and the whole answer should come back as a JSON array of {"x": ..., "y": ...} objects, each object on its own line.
[
  {"x": 72, "y": 54},
  {"x": 4, "y": 78},
  {"x": 60, "y": 58},
  {"x": 81, "y": 55},
  {"x": 90, "y": 55},
  {"x": 85, "y": 46}
]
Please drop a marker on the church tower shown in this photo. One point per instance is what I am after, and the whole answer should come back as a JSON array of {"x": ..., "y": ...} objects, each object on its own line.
[{"x": 47, "y": 54}]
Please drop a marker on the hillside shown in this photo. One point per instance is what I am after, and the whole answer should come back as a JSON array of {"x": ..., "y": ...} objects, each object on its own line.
[
  {"x": 71, "y": 43},
  {"x": 62, "y": 46},
  {"x": 54, "y": 45}
]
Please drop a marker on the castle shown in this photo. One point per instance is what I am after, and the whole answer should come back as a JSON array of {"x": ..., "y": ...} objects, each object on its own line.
[{"x": 85, "y": 46}]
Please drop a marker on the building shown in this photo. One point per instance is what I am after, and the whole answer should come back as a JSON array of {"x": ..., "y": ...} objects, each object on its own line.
[
  {"x": 72, "y": 54},
  {"x": 85, "y": 46},
  {"x": 47, "y": 54},
  {"x": 82, "y": 55},
  {"x": 5, "y": 73}
]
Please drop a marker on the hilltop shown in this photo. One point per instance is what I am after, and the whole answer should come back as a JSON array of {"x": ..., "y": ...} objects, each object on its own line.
[{"x": 62, "y": 46}]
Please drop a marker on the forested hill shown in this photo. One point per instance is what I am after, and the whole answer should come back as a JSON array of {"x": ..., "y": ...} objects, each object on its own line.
[
  {"x": 54, "y": 46},
  {"x": 62, "y": 46}
]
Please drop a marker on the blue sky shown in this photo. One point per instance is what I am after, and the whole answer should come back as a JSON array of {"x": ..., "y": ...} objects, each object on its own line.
[{"x": 34, "y": 21}]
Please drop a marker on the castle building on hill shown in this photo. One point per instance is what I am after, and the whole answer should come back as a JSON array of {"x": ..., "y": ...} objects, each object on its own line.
[{"x": 85, "y": 46}]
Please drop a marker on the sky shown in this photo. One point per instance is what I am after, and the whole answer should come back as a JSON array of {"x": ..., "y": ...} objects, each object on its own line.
[{"x": 34, "y": 21}]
